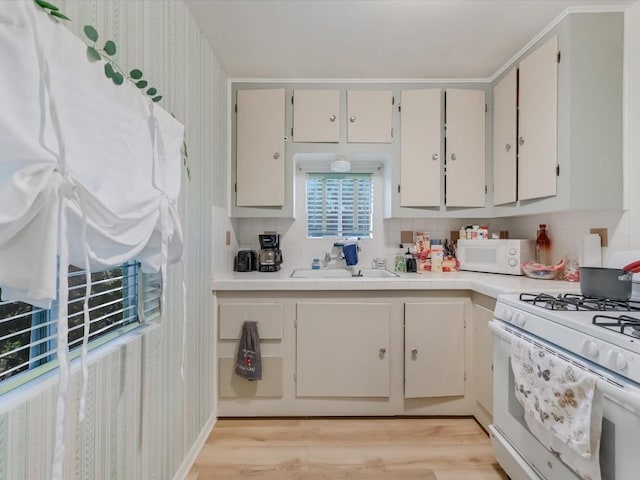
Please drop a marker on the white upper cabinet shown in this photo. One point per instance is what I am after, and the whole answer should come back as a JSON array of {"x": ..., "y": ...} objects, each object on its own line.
[
  {"x": 260, "y": 175},
  {"x": 369, "y": 116},
  {"x": 504, "y": 138},
  {"x": 465, "y": 148},
  {"x": 420, "y": 155},
  {"x": 316, "y": 116},
  {"x": 538, "y": 122},
  {"x": 570, "y": 119}
]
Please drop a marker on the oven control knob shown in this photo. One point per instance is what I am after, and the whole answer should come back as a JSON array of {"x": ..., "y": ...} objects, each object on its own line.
[
  {"x": 616, "y": 360},
  {"x": 512, "y": 262},
  {"x": 590, "y": 348},
  {"x": 518, "y": 319},
  {"x": 506, "y": 315},
  {"x": 512, "y": 251}
]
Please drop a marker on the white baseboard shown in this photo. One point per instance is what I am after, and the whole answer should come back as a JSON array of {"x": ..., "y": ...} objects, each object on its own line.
[{"x": 187, "y": 463}]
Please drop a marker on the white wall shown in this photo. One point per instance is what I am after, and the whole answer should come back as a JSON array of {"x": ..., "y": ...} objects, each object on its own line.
[{"x": 143, "y": 417}]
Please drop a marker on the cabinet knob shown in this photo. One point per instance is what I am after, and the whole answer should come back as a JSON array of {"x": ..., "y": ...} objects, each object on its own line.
[
  {"x": 507, "y": 147},
  {"x": 520, "y": 141},
  {"x": 276, "y": 155},
  {"x": 453, "y": 157},
  {"x": 383, "y": 351},
  {"x": 332, "y": 118},
  {"x": 352, "y": 118},
  {"x": 434, "y": 157},
  {"x": 414, "y": 352}
]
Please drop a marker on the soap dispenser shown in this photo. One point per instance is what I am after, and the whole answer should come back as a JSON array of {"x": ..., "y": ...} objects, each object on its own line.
[
  {"x": 401, "y": 266},
  {"x": 410, "y": 262}
]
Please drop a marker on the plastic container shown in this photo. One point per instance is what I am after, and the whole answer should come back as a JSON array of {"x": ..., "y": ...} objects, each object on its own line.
[
  {"x": 437, "y": 256},
  {"x": 315, "y": 265},
  {"x": 571, "y": 269}
]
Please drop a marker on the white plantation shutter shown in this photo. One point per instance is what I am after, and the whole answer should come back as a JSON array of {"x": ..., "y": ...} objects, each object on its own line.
[{"x": 339, "y": 205}]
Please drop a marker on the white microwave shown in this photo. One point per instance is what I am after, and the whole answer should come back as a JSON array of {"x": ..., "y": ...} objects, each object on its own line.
[{"x": 495, "y": 256}]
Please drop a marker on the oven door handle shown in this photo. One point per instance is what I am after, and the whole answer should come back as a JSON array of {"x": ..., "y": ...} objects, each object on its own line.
[{"x": 615, "y": 393}]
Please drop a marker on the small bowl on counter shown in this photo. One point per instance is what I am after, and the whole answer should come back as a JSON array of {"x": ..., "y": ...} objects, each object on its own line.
[{"x": 543, "y": 272}]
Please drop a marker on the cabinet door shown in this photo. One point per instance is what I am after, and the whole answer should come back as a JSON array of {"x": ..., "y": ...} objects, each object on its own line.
[
  {"x": 538, "y": 122},
  {"x": 434, "y": 349},
  {"x": 504, "y": 138},
  {"x": 260, "y": 148},
  {"x": 465, "y": 148},
  {"x": 316, "y": 116},
  {"x": 369, "y": 116},
  {"x": 342, "y": 350},
  {"x": 420, "y": 135},
  {"x": 483, "y": 357}
]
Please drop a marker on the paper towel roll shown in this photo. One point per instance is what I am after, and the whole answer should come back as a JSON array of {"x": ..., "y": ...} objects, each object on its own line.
[{"x": 591, "y": 251}]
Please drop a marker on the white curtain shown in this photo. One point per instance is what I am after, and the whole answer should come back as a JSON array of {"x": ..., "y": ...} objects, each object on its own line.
[
  {"x": 89, "y": 174},
  {"x": 71, "y": 138}
]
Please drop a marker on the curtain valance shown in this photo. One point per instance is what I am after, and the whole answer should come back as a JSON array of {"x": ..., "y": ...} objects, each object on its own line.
[{"x": 72, "y": 143}]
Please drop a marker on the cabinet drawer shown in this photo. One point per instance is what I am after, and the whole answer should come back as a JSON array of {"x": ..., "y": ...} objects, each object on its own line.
[
  {"x": 231, "y": 385},
  {"x": 268, "y": 316}
]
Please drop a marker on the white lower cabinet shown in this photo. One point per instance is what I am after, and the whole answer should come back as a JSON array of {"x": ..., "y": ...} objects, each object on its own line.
[
  {"x": 434, "y": 356},
  {"x": 397, "y": 352},
  {"x": 483, "y": 359},
  {"x": 270, "y": 329},
  {"x": 342, "y": 350}
]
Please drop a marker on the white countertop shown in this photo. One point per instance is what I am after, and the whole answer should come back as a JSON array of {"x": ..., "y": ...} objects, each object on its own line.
[{"x": 485, "y": 283}]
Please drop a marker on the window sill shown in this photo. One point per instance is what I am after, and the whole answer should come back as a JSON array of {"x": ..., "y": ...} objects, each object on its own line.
[{"x": 30, "y": 384}]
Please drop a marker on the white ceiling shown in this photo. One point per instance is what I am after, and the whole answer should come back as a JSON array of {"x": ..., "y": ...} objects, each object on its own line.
[{"x": 374, "y": 39}]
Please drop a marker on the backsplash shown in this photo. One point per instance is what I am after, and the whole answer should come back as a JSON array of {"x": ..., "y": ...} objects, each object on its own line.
[{"x": 566, "y": 230}]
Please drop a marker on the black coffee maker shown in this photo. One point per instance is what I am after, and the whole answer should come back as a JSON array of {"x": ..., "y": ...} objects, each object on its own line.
[{"x": 270, "y": 253}]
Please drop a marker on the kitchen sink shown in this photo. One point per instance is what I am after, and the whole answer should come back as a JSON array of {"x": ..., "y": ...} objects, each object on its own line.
[{"x": 342, "y": 273}]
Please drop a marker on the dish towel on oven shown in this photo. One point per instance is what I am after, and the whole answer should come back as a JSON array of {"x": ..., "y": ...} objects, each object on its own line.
[
  {"x": 562, "y": 406},
  {"x": 249, "y": 358}
]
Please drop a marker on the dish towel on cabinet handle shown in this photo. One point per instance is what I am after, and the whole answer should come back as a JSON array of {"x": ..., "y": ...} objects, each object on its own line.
[{"x": 249, "y": 358}]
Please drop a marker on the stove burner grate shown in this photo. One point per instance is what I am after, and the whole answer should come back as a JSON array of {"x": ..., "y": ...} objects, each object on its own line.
[
  {"x": 577, "y": 302},
  {"x": 622, "y": 323}
]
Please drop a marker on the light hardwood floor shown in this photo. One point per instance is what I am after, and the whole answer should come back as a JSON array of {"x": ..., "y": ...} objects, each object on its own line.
[{"x": 347, "y": 448}]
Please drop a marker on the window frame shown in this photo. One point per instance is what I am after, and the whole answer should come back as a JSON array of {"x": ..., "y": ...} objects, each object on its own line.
[
  {"x": 136, "y": 300},
  {"x": 338, "y": 232}
]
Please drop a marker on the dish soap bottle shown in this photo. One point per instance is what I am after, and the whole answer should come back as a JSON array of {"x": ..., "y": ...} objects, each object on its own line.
[
  {"x": 401, "y": 266},
  {"x": 543, "y": 246}
]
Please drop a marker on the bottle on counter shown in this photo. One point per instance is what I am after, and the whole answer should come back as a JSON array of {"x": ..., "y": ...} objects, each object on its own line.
[
  {"x": 315, "y": 265},
  {"x": 543, "y": 246},
  {"x": 400, "y": 265},
  {"x": 410, "y": 262},
  {"x": 437, "y": 255}
]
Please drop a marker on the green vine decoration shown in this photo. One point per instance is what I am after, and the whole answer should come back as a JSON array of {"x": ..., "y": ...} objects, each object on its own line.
[
  {"x": 184, "y": 153},
  {"x": 51, "y": 9},
  {"x": 112, "y": 70}
]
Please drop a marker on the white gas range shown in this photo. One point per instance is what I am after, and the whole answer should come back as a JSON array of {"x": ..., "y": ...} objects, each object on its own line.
[{"x": 594, "y": 335}]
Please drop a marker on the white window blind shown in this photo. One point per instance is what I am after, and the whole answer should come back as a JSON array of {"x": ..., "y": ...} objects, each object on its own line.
[
  {"x": 339, "y": 205},
  {"x": 28, "y": 334}
]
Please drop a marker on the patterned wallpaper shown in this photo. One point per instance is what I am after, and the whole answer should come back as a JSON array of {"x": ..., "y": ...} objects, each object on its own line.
[{"x": 144, "y": 419}]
